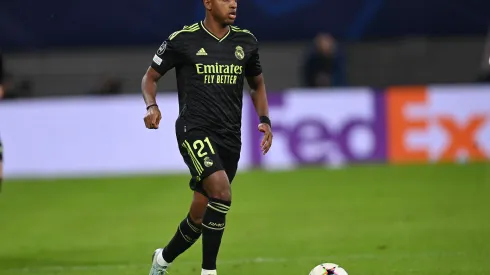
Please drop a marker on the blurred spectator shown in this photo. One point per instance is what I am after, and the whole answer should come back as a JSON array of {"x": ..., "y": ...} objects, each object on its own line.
[
  {"x": 12, "y": 89},
  {"x": 9, "y": 89},
  {"x": 484, "y": 77},
  {"x": 109, "y": 86},
  {"x": 321, "y": 64}
]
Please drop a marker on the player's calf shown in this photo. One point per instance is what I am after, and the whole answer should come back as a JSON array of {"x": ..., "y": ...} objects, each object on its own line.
[
  {"x": 188, "y": 231},
  {"x": 218, "y": 189},
  {"x": 187, "y": 234},
  {"x": 198, "y": 208}
]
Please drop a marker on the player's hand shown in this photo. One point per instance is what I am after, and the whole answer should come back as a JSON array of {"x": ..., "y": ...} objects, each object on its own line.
[
  {"x": 152, "y": 118},
  {"x": 266, "y": 143}
]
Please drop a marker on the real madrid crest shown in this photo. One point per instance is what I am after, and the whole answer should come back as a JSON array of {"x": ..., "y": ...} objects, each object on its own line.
[
  {"x": 208, "y": 162},
  {"x": 239, "y": 53}
]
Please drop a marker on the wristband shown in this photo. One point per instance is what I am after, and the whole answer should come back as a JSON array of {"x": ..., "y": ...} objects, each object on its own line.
[
  {"x": 151, "y": 105},
  {"x": 266, "y": 120}
]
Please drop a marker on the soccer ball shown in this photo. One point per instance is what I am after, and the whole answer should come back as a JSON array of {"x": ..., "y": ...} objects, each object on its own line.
[{"x": 328, "y": 269}]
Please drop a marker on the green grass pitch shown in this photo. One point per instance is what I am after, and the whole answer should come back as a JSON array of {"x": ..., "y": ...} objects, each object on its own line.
[{"x": 373, "y": 220}]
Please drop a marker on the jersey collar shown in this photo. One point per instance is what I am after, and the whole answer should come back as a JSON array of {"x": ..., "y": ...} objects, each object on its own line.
[{"x": 214, "y": 36}]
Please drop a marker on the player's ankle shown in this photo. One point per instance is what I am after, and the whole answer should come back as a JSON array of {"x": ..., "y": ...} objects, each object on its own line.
[
  {"x": 208, "y": 272},
  {"x": 161, "y": 260}
]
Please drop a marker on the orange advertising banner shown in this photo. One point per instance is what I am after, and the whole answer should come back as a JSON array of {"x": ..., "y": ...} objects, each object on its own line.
[{"x": 438, "y": 123}]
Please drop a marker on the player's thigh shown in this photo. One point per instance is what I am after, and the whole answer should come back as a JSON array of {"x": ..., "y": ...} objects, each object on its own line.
[
  {"x": 217, "y": 186},
  {"x": 230, "y": 161},
  {"x": 201, "y": 155}
]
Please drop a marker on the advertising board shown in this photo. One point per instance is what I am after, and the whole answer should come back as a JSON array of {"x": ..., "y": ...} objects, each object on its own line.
[{"x": 81, "y": 136}]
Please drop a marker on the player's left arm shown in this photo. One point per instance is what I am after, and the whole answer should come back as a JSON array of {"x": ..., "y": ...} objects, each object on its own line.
[{"x": 255, "y": 79}]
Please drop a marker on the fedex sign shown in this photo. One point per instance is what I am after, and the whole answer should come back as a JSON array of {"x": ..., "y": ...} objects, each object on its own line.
[
  {"x": 323, "y": 127},
  {"x": 439, "y": 123}
]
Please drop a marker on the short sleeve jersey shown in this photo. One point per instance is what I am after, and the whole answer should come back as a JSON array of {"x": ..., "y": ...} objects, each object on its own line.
[{"x": 210, "y": 76}]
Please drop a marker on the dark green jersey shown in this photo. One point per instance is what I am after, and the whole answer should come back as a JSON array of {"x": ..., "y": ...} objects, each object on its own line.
[{"x": 210, "y": 76}]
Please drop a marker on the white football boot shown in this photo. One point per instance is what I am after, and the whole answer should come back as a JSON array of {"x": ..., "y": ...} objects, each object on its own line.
[{"x": 159, "y": 265}]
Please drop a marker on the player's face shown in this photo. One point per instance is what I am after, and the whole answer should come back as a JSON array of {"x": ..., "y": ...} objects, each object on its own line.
[{"x": 224, "y": 10}]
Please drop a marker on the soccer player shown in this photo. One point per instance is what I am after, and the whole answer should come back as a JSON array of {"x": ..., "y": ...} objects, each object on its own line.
[{"x": 212, "y": 58}]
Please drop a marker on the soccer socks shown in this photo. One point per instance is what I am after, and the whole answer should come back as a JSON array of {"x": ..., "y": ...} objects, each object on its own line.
[
  {"x": 208, "y": 272},
  {"x": 187, "y": 234},
  {"x": 213, "y": 226}
]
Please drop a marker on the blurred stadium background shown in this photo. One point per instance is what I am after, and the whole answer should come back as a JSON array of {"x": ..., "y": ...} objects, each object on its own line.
[{"x": 381, "y": 113}]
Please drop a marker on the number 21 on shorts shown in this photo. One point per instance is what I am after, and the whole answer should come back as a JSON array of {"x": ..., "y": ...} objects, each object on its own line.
[{"x": 198, "y": 147}]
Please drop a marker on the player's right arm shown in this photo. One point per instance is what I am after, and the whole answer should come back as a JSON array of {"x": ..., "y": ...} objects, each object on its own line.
[
  {"x": 164, "y": 60},
  {"x": 149, "y": 88}
]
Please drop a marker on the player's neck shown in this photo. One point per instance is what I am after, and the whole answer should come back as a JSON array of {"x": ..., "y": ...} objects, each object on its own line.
[{"x": 217, "y": 29}]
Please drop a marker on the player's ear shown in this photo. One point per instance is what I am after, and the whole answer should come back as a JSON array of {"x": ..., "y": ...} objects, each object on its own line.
[{"x": 207, "y": 4}]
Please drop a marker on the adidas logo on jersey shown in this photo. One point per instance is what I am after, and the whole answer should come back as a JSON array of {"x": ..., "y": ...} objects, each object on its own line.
[{"x": 202, "y": 52}]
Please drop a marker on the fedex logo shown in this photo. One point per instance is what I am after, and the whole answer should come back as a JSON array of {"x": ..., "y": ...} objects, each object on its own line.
[
  {"x": 323, "y": 128},
  {"x": 440, "y": 125}
]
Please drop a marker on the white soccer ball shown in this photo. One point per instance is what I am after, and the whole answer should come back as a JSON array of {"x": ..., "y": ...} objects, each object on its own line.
[{"x": 328, "y": 269}]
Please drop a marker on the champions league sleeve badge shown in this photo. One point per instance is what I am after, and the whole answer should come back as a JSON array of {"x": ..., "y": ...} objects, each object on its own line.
[{"x": 162, "y": 48}]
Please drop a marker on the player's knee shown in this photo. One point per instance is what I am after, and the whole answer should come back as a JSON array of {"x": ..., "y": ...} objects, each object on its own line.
[
  {"x": 217, "y": 186},
  {"x": 223, "y": 194}
]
